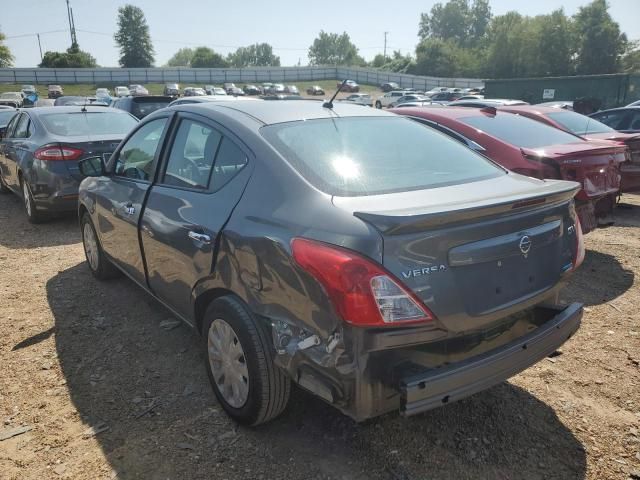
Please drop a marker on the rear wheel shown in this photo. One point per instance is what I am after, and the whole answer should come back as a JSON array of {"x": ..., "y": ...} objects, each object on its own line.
[
  {"x": 239, "y": 360},
  {"x": 100, "y": 266},
  {"x": 33, "y": 215}
]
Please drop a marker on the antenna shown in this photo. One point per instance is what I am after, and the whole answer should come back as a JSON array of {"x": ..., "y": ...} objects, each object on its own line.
[
  {"x": 385, "y": 44},
  {"x": 329, "y": 104},
  {"x": 72, "y": 26}
]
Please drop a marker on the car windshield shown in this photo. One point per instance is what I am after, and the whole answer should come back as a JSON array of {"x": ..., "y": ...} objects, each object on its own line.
[
  {"x": 89, "y": 123},
  {"x": 353, "y": 156},
  {"x": 5, "y": 116},
  {"x": 579, "y": 124},
  {"x": 519, "y": 131},
  {"x": 10, "y": 95}
]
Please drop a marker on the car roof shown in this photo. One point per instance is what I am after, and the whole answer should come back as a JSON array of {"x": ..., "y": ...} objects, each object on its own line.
[
  {"x": 536, "y": 109},
  {"x": 637, "y": 107},
  {"x": 452, "y": 113},
  {"x": 283, "y": 111}
]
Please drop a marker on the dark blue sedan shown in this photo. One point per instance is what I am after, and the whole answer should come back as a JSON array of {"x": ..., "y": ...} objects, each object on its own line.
[{"x": 40, "y": 149}]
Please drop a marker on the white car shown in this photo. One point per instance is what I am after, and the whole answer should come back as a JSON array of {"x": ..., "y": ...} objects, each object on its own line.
[
  {"x": 360, "y": 99},
  {"x": 122, "y": 92},
  {"x": 390, "y": 97}
]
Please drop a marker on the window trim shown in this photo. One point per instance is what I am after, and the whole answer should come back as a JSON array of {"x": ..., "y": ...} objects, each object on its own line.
[
  {"x": 210, "y": 123},
  {"x": 159, "y": 152}
]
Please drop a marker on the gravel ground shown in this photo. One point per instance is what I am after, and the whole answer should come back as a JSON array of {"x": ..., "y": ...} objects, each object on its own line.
[{"x": 108, "y": 393}]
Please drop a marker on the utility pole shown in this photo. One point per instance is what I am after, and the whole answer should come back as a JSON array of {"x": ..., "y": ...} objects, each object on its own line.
[
  {"x": 72, "y": 26},
  {"x": 385, "y": 45},
  {"x": 40, "y": 46}
]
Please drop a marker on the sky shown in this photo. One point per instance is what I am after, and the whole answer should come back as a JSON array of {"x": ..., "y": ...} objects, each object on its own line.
[{"x": 289, "y": 26}]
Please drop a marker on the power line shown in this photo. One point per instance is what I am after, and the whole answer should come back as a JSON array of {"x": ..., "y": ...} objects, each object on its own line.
[{"x": 35, "y": 34}]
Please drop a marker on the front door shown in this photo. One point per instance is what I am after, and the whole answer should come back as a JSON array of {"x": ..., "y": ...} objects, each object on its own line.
[
  {"x": 203, "y": 180},
  {"x": 120, "y": 199}
]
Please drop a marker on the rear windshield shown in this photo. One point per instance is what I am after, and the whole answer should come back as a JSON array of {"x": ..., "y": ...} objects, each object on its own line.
[
  {"x": 579, "y": 124},
  {"x": 5, "y": 116},
  {"x": 352, "y": 156},
  {"x": 90, "y": 123},
  {"x": 142, "y": 107},
  {"x": 519, "y": 131}
]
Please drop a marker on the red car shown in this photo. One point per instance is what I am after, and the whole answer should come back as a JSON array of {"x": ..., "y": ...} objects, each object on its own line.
[
  {"x": 591, "y": 129},
  {"x": 531, "y": 148}
]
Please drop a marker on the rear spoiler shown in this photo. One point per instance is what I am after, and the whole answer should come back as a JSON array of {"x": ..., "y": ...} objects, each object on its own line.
[{"x": 391, "y": 223}]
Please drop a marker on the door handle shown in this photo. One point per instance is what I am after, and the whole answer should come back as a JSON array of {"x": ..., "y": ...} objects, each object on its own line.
[
  {"x": 199, "y": 237},
  {"x": 129, "y": 209}
]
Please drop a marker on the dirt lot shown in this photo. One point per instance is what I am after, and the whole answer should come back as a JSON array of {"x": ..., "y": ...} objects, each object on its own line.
[{"x": 78, "y": 354}]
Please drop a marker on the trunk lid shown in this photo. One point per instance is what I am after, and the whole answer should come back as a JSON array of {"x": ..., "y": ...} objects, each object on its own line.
[
  {"x": 475, "y": 254},
  {"x": 594, "y": 164},
  {"x": 97, "y": 146}
]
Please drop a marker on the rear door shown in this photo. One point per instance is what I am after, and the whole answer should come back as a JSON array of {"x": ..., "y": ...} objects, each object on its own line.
[
  {"x": 14, "y": 150},
  {"x": 120, "y": 200},
  {"x": 6, "y": 146},
  {"x": 204, "y": 176}
]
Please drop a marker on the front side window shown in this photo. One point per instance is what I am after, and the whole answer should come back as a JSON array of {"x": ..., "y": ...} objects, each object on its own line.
[
  {"x": 192, "y": 155},
  {"x": 137, "y": 157},
  {"x": 354, "y": 156}
]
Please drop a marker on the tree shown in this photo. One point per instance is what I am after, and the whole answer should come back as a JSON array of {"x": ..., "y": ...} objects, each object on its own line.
[
  {"x": 6, "y": 59},
  {"x": 182, "y": 58},
  {"x": 72, "y": 58},
  {"x": 136, "y": 49},
  {"x": 506, "y": 45},
  {"x": 457, "y": 20},
  {"x": 257, "y": 55},
  {"x": 599, "y": 41},
  {"x": 334, "y": 49},
  {"x": 631, "y": 59},
  {"x": 437, "y": 57},
  {"x": 554, "y": 44},
  {"x": 204, "y": 57}
]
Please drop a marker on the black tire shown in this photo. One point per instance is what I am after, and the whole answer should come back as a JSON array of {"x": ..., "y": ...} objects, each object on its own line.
[
  {"x": 378, "y": 104},
  {"x": 102, "y": 268},
  {"x": 268, "y": 386},
  {"x": 33, "y": 215}
]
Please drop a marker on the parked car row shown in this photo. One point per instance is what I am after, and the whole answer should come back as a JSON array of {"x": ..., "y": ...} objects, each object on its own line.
[{"x": 382, "y": 260}]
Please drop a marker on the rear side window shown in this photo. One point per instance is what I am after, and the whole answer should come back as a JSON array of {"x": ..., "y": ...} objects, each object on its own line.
[
  {"x": 353, "y": 156},
  {"x": 89, "y": 123},
  {"x": 229, "y": 161},
  {"x": 615, "y": 119},
  {"x": 519, "y": 131},
  {"x": 192, "y": 155},
  {"x": 22, "y": 127},
  {"x": 579, "y": 124}
]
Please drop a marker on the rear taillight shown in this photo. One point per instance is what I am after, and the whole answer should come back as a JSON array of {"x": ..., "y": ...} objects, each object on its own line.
[
  {"x": 578, "y": 258},
  {"x": 578, "y": 255},
  {"x": 363, "y": 293},
  {"x": 58, "y": 153}
]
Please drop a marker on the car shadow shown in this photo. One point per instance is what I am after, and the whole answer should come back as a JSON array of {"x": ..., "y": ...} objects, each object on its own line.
[
  {"x": 141, "y": 384},
  {"x": 600, "y": 279},
  {"x": 18, "y": 233}
]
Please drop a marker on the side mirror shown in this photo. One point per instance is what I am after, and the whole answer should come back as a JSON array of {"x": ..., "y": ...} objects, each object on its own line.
[{"x": 92, "y": 167}]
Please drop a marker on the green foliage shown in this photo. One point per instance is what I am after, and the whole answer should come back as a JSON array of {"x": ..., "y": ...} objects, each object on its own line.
[
  {"x": 72, "y": 58},
  {"x": 631, "y": 59},
  {"x": 182, "y": 58},
  {"x": 257, "y": 55},
  {"x": 458, "y": 21},
  {"x": 599, "y": 41},
  {"x": 204, "y": 57},
  {"x": 6, "y": 59},
  {"x": 334, "y": 49},
  {"x": 136, "y": 49}
]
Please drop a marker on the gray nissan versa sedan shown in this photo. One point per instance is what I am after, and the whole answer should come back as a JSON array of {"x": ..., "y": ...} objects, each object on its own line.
[
  {"x": 374, "y": 261},
  {"x": 40, "y": 149}
]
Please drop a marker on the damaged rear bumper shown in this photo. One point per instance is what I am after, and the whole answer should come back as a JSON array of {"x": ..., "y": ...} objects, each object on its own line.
[{"x": 420, "y": 392}]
